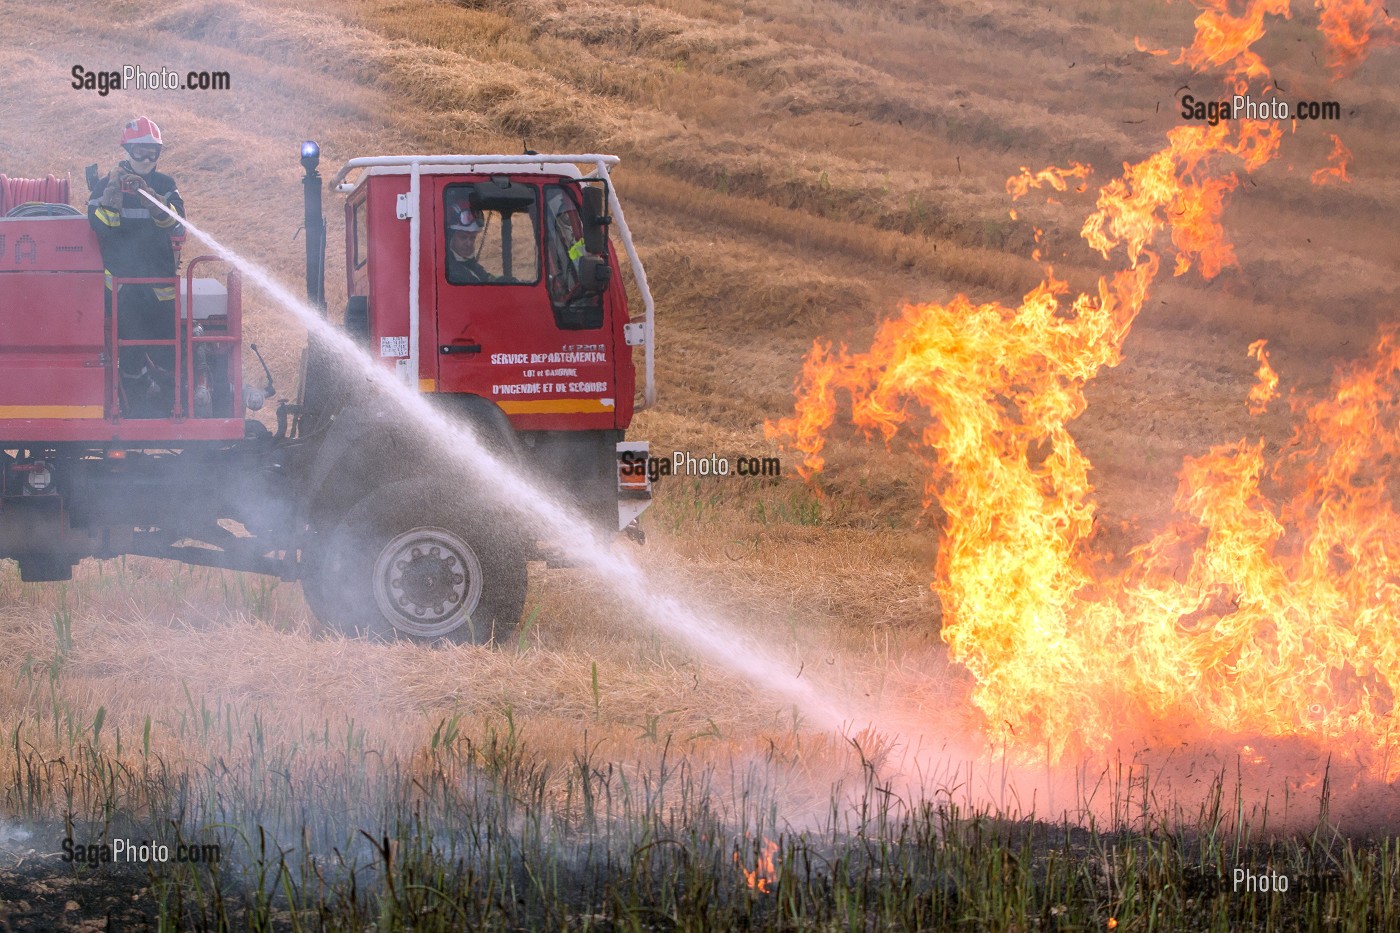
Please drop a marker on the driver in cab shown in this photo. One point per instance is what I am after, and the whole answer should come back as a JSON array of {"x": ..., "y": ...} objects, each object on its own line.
[{"x": 463, "y": 229}]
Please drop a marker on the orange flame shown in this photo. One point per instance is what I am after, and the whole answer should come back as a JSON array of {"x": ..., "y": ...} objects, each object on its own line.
[
  {"x": 1137, "y": 44},
  {"x": 1177, "y": 180},
  {"x": 1266, "y": 608},
  {"x": 1223, "y": 40},
  {"x": 1266, "y": 390},
  {"x": 1336, "y": 165},
  {"x": 765, "y": 870},
  {"x": 1057, "y": 178},
  {"x": 1351, "y": 28}
]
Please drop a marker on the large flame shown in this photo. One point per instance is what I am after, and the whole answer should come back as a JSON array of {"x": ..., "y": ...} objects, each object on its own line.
[{"x": 1267, "y": 608}]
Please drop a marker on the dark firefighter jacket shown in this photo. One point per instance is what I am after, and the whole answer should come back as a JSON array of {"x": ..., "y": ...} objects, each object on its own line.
[{"x": 136, "y": 241}]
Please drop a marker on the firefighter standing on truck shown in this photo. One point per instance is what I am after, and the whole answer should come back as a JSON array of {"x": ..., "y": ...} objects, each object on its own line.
[{"x": 140, "y": 241}]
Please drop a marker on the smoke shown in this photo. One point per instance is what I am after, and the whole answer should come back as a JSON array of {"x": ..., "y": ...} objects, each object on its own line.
[{"x": 11, "y": 835}]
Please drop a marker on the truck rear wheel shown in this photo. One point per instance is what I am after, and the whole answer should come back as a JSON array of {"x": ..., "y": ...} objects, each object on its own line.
[{"x": 414, "y": 561}]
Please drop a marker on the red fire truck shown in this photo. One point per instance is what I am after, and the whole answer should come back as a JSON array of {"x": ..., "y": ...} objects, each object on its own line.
[{"x": 488, "y": 283}]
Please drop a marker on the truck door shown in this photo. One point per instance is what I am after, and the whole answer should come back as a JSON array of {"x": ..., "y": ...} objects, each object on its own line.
[{"x": 505, "y": 330}]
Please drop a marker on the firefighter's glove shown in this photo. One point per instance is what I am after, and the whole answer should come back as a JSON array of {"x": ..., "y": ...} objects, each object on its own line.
[
  {"x": 132, "y": 181},
  {"x": 112, "y": 194}
]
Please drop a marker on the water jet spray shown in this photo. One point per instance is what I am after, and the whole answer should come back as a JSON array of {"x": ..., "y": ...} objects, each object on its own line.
[{"x": 689, "y": 624}]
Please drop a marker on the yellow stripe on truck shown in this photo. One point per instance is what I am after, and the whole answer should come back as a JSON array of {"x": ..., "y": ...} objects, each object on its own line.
[
  {"x": 562, "y": 406},
  {"x": 51, "y": 411}
]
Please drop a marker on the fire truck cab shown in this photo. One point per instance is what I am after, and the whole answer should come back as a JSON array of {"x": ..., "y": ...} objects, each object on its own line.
[{"x": 490, "y": 283}]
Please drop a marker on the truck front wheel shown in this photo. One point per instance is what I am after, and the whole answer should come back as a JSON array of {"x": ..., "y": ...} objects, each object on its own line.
[{"x": 414, "y": 561}]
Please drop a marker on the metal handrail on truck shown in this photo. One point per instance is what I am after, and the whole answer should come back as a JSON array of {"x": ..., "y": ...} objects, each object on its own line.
[{"x": 184, "y": 341}]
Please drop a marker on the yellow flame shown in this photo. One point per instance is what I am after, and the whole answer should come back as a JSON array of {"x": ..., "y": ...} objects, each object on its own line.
[
  {"x": 1057, "y": 178},
  {"x": 1223, "y": 39}
]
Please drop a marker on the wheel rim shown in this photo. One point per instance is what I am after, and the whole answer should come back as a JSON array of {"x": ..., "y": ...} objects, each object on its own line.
[{"x": 427, "y": 582}]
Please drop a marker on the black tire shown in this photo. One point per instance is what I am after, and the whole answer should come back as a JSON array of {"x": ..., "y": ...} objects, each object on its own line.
[{"x": 414, "y": 561}]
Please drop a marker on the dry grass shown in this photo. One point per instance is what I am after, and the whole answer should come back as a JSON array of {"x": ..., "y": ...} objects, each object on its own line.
[{"x": 174, "y": 664}]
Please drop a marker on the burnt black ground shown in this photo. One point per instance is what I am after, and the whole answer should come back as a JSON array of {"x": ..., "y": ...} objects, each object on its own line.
[{"x": 38, "y": 892}]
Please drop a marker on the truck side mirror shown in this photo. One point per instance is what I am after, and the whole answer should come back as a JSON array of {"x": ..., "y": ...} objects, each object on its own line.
[
  {"x": 595, "y": 220},
  {"x": 594, "y": 273}
]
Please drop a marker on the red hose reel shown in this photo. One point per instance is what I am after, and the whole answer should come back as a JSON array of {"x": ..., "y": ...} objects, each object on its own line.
[{"x": 17, "y": 191}]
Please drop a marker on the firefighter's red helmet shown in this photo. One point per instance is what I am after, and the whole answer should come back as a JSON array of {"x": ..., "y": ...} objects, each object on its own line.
[
  {"x": 460, "y": 216},
  {"x": 141, "y": 132}
]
